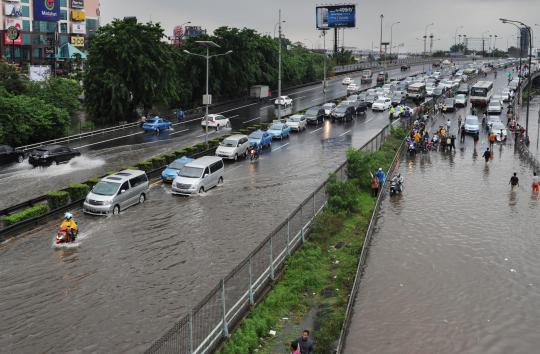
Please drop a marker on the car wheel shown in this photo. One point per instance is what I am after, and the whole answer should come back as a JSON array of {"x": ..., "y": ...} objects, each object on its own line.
[
  {"x": 235, "y": 157},
  {"x": 220, "y": 181},
  {"x": 142, "y": 198},
  {"x": 116, "y": 210},
  {"x": 228, "y": 125},
  {"x": 56, "y": 162},
  {"x": 201, "y": 190}
]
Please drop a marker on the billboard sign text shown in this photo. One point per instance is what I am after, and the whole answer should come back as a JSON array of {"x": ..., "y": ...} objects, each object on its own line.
[
  {"x": 47, "y": 10},
  {"x": 13, "y": 22},
  {"x": 336, "y": 16}
]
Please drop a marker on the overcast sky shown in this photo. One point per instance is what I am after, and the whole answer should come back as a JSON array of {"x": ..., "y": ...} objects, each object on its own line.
[{"x": 476, "y": 17}]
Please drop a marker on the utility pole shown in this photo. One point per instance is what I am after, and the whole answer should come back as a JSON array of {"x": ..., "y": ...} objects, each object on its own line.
[
  {"x": 279, "y": 68},
  {"x": 335, "y": 40},
  {"x": 324, "y": 69},
  {"x": 380, "y": 42}
]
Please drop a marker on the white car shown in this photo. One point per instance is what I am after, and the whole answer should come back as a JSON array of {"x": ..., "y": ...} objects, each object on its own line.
[
  {"x": 347, "y": 81},
  {"x": 472, "y": 125},
  {"x": 494, "y": 107},
  {"x": 382, "y": 104},
  {"x": 352, "y": 88},
  {"x": 233, "y": 147},
  {"x": 461, "y": 100},
  {"x": 328, "y": 108},
  {"x": 499, "y": 129},
  {"x": 216, "y": 121},
  {"x": 297, "y": 122},
  {"x": 283, "y": 101}
]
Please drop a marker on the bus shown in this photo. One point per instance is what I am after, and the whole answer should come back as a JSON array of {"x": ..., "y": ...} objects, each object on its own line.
[{"x": 481, "y": 93}]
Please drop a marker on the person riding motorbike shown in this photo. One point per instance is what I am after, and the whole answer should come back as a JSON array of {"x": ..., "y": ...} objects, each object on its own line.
[
  {"x": 254, "y": 151},
  {"x": 69, "y": 225},
  {"x": 397, "y": 182}
]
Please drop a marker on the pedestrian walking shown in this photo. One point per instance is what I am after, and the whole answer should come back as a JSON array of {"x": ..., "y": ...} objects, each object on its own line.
[
  {"x": 180, "y": 114},
  {"x": 514, "y": 181},
  {"x": 305, "y": 343},
  {"x": 492, "y": 138},
  {"x": 375, "y": 185},
  {"x": 462, "y": 137},
  {"x": 295, "y": 348},
  {"x": 487, "y": 155},
  {"x": 381, "y": 176},
  {"x": 535, "y": 183},
  {"x": 448, "y": 125},
  {"x": 476, "y": 137},
  {"x": 459, "y": 123},
  {"x": 452, "y": 142}
]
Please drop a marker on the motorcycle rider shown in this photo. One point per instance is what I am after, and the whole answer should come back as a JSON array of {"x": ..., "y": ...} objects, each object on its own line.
[
  {"x": 398, "y": 180},
  {"x": 69, "y": 225},
  {"x": 254, "y": 151}
]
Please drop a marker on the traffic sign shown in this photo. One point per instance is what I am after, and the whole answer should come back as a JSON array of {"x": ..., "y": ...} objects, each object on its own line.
[{"x": 13, "y": 33}]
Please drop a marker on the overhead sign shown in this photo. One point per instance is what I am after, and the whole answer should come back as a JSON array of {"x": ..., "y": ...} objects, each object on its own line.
[
  {"x": 47, "y": 10},
  {"x": 13, "y": 25},
  {"x": 39, "y": 72},
  {"x": 12, "y": 10},
  {"x": 77, "y": 4},
  {"x": 77, "y": 41},
  {"x": 78, "y": 15},
  {"x": 78, "y": 27},
  {"x": 335, "y": 16}
]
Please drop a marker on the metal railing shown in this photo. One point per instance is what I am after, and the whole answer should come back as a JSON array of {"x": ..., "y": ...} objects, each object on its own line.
[{"x": 208, "y": 322}]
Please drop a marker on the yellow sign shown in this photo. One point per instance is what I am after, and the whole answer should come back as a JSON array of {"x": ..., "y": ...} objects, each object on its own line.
[
  {"x": 78, "y": 15},
  {"x": 77, "y": 41}
]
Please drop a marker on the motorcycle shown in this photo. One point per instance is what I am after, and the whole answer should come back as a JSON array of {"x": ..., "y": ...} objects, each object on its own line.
[
  {"x": 253, "y": 154},
  {"x": 65, "y": 236},
  {"x": 396, "y": 187},
  {"x": 411, "y": 149}
]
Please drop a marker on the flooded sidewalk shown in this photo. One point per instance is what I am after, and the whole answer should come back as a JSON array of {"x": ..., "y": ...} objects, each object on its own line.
[{"x": 453, "y": 266}]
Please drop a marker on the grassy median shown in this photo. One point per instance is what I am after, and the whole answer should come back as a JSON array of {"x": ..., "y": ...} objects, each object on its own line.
[{"x": 319, "y": 276}]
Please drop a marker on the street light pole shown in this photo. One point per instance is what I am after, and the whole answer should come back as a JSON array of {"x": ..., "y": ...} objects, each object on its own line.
[
  {"x": 324, "y": 67},
  {"x": 279, "y": 68},
  {"x": 380, "y": 42},
  {"x": 455, "y": 35},
  {"x": 425, "y": 39},
  {"x": 391, "y": 35}
]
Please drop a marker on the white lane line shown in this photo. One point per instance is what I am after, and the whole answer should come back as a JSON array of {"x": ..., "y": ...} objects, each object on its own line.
[
  {"x": 180, "y": 131},
  {"x": 227, "y": 170},
  {"x": 235, "y": 108},
  {"x": 279, "y": 147},
  {"x": 251, "y": 120},
  {"x": 209, "y": 133},
  {"x": 112, "y": 139},
  {"x": 316, "y": 130},
  {"x": 298, "y": 98},
  {"x": 235, "y": 116},
  {"x": 369, "y": 120},
  {"x": 317, "y": 99},
  {"x": 265, "y": 107},
  {"x": 347, "y": 132}
]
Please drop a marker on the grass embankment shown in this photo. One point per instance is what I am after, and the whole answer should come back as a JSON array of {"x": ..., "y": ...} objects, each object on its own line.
[{"x": 321, "y": 273}]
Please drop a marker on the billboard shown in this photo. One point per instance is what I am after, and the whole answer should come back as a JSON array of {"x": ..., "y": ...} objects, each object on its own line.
[
  {"x": 193, "y": 31},
  {"x": 47, "y": 10},
  {"x": 77, "y": 4},
  {"x": 335, "y": 16},
  {"x": 39, "y": 72},
  {"x": 12, "y": 10},
  {"x": 78, "y": 27},
  {"x": 15, "y": 23}
]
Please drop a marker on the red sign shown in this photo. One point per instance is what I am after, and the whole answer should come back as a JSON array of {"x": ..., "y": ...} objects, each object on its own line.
[{"x": 16, "y": 23}]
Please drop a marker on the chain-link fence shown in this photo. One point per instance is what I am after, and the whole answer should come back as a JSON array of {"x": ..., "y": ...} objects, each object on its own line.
[{"x": 208, "y": 322}]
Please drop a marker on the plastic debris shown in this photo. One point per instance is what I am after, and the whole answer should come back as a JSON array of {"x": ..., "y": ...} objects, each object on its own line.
[
  {"x": 272, "y": 333},
  {"x": 513, "y": 270}
]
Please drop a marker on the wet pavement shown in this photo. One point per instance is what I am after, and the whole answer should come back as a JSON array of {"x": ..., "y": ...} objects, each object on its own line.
[
  {"x": 453, "y": 266},
  {"x": 21, "y": 182}
]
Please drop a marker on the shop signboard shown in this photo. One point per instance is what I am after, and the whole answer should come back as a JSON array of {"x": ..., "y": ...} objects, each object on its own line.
[
  {"x": 47, "y": 10},
  {"x": 16, "y": 23},
  {"x": 78, "y": 27},
  {"x": 77, "y": 4},
  {"x": 12, "y": 10},
  {"x": 77, "y": 41}
]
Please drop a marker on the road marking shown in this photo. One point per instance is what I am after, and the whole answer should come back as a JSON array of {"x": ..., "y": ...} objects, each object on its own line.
[
  {"x": 316, "y": 130},
  {"x": 251, "y": 120},
  {"x": 369, "y": 120},
  {"x": 104, "y": 141},
  {"x": 298, "y": 98},
  {"x": 180, "y": 131},
  {"x": 279, "y": 147},
  {"x": 347, "y": 132},
  {"x": 209, "y": 133},
  {"x": 265, "y": 107},
  {"x": 235, "y": 116},
  {"x": 155, "y": 183},
  {"x": 235, "y": 108},
  {"x": 316, "y": 99}
]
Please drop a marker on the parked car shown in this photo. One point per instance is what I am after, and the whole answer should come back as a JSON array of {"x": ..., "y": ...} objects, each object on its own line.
[
  {"x": 494, "y": 107},
  {"x": 233, "y": 147},
  {"x": 382, "y": 104},
  {"x": 260, "y": 138},
  {"x": 283, "y": 101},
  {"x": 47, "y": 155},
  {"x": 471, "y": 124},
  {"x": 279, "y": 131},
  {"x": 461, "y": 100},
  {"x": 352, "y": 88},
  {"x": 199, "y": 176},
  {"x": 328, "y": 108},
  {"x": 216, "y": 121},
  {"x": 347, "y": 81},
  {"x": 297, "y": 122},
  {"x": 9, "y": 154},
  {"x": 343, "y": 113},
  {"x": 449, "y": 105},
  {"x": 315, "y": 115},
  {"x": 117, "y": 192},
  {"x": 405, "y": 67},
  {"x": 156, "y": 124},
  {"x": 171, "y": 170}
]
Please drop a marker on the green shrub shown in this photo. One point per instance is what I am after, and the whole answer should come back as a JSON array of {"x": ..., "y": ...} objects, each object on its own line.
[
  {"x": 180, "y": 153},
  {"x": 145, "y": 166},
  {"x": 110, "y": 173},
  {"x": 78, "y": 191},
  {"x": 92, "y": 182},
  {"x": 158, "y": 162},
  {"x": 128, "y": 168},
  {"x": 57, "y": 199},
  {"x": 26, "y": 214},
  {"x": 200, "y": 147},
  {"x": 191, "y": 150},
  {"x": 170, "y": 157}
]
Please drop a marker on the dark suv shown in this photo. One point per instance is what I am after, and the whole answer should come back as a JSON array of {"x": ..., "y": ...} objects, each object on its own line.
[
  {"x": 9, "y": 154},
  {"x": 47, "y": 155},
  {"x": 343, "y": 113},
  {"x": 314, "y": 115}
]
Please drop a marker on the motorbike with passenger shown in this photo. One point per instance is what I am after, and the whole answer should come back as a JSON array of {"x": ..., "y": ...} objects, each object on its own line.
[
  {"x": 254, "y": 152},
  {"x": 68, "y": 230},
  {"x": 396, "y": 184}
]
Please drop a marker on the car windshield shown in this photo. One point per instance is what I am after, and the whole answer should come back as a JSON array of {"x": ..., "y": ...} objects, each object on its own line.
[
  {"x": 460, "y": 97},
  {"x": 177, "y": 165},
  {"x": 381, "y": 100},
  {"x": 106, "y": 188},
  {"x": 276, "y": 127},
  {"x": 229, "y": 143},
  {"x": 498, "y": 126},
  {"x": 328, "y": 106},
  {"x": 256, "y": 135},
  {"x": 494, "y": 104},
  {"x": 449, "y": 101},
  {"x": 191, "y": 172},
  {"x": 341, "y": 109},
  {"x": 471, "y": 120},
  {"x": 312, "y": 112},
  {"x": 294, "y": 119},
  {"x": 151, "y": 120}
]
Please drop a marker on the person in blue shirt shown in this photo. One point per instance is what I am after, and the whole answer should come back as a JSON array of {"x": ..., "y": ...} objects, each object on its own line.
[
  {"x": 381, "y": 176},
  {"x": 180, "y": 115}
]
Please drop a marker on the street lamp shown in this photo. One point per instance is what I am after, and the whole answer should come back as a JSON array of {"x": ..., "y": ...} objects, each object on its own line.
[
  {"x": 324, "y": 69},
  {"x": 425, "y": 39},
  {"x": 275, "y": 26},
  {"x": 455, "y": 34},
  {"x": 279, "y": 65},
  {"x": 529, "y": 29},
  {"x": 380, "y": 42},
  {"x": 207, "y": 99},
  {"x": 484, "y": 43},
  {"x": 391, "y": 35}
]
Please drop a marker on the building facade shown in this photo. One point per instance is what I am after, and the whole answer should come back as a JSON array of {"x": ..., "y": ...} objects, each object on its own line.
[{"x": 45, "y": 26}]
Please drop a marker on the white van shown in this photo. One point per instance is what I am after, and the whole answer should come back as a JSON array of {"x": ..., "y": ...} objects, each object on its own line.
[
  {"x": 117, "y": 192},
  {"x": 233, "y": 147},
  {"x": 199, "y": 176}
]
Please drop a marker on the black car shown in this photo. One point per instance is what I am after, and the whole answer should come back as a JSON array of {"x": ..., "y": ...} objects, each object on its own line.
[
  {"x": 381, "y": 78},
  {"x": 361, "y": 108},
  {"x": 343, "y": 113},
  {"x": 405, "y": 67},
  {"x": 47, "y": 155},
  {"x": 314, "y": 115},
  {"x": 8, "y": 155}
]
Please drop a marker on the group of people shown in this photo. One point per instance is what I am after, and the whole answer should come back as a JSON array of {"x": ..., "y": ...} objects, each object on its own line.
[
  {"x": 302, "y": 345},
  {"x": 535, "y": 185},
  {"x": 379, "y": 177}
]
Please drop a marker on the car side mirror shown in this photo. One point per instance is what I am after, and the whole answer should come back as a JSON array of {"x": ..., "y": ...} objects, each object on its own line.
[
  {"x": 205, "y": 175},
  {"x": 122, "y": 191}
]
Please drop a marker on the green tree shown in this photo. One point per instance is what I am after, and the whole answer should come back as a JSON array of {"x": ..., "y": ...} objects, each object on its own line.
[
  {"x": 60, "y": 92},
  {"x": 10, "y": 78},
  {"x": 128, "y": 66}
]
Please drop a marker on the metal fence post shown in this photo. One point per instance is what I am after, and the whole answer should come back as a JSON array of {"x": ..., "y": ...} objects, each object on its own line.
[
  {"x": 272, "y": 274},
  {"x": 251, "y": 299},
  {"x": 313, "y": 196},
  {"x": 225, "y": 327},
  {"x": 191, "y": 331},
  {"x": 302, "y": 225},
  {"x": 289, "y": 236}
]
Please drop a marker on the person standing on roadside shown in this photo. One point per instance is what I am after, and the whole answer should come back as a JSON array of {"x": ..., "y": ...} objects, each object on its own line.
[
  {"x": 305, "y": 343},
  {"x": 535, "y": 183},
  {"x": 487, "y": 155},
  {"x": 463, "y": 133},
  {"x": 375, "y": 184},
  {"x": 492, "y": 139},
  {"x": 381, "y": 176},
  {"x": 514, "y": 181}
]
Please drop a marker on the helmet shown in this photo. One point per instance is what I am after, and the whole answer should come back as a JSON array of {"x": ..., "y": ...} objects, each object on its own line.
[
  {"x": 380, "y": 168},
  {"x": 68, "y": 216},
  {"x": 399, "y": 175}
]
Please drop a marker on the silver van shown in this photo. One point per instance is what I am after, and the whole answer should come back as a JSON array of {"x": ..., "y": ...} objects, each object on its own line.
[
  {"x": 117, "y": 192},
  {"x": 199, "y": 176}
]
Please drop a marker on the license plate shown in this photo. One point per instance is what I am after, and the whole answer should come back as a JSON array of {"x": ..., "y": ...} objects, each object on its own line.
[{"x": 169, "y": 179}]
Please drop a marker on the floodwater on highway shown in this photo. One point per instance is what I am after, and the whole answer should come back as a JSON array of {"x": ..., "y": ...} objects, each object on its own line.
[{"x": 454, "y": 265}]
